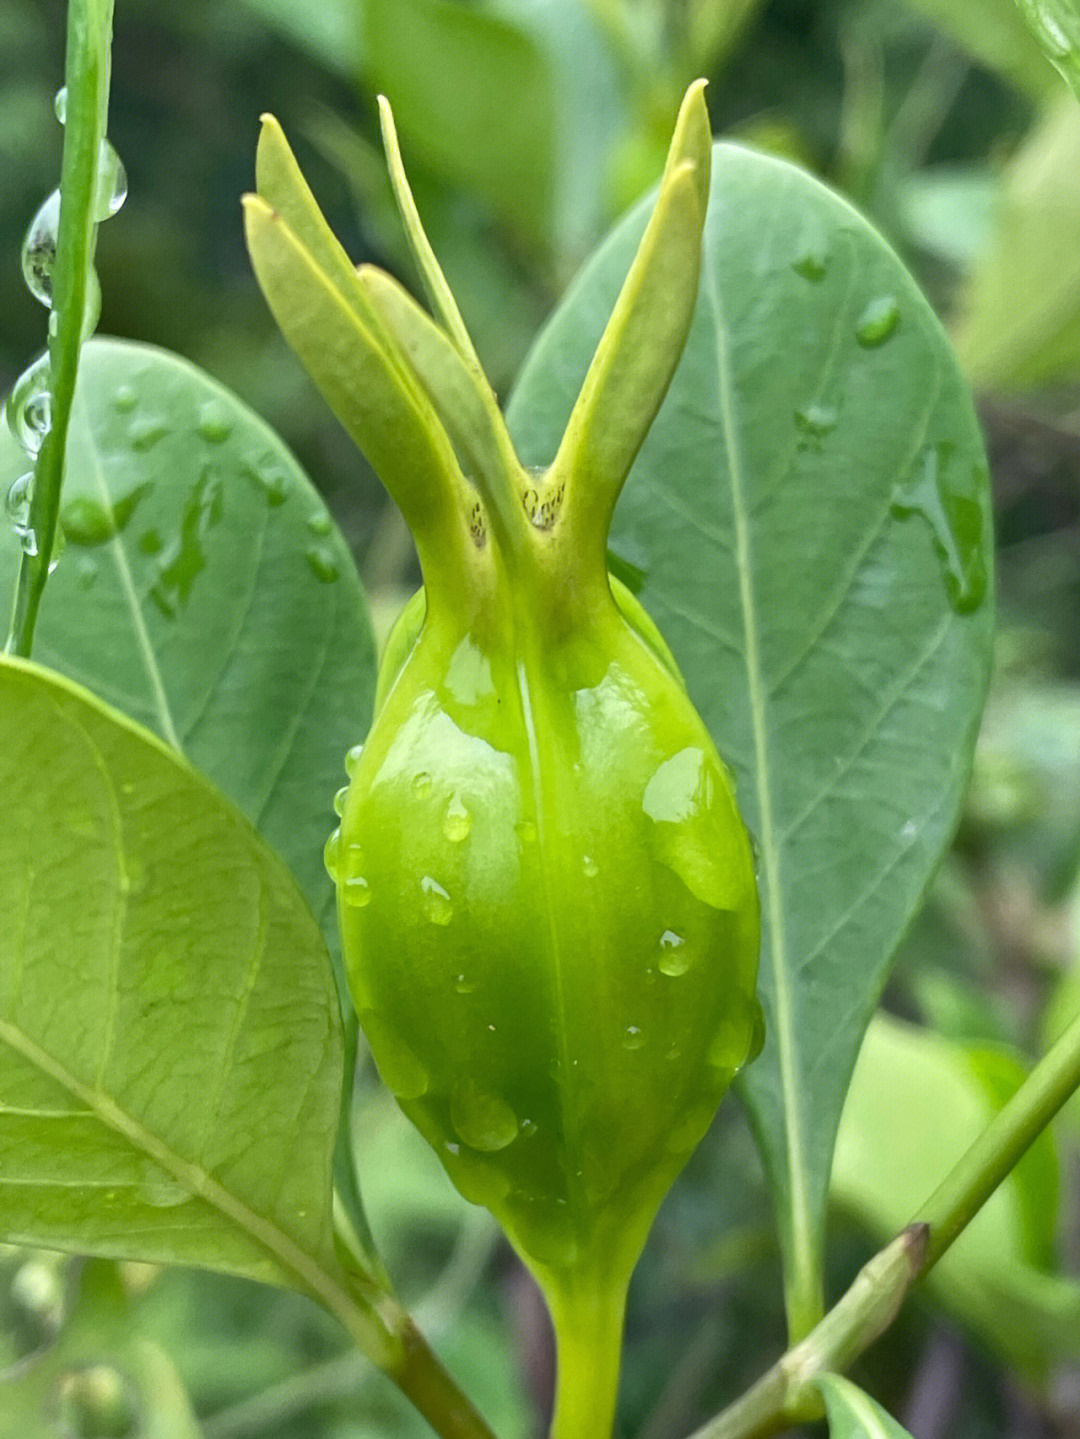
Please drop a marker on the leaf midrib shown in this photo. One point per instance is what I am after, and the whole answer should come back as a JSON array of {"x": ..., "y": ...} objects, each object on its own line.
[{"x": 802, "y": 1245}]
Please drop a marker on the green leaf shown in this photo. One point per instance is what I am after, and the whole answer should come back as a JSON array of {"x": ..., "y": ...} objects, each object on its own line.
[
  {"x": 1056, "y": 26},
  {"x": 917, "y": 1101},
  {"x": 472, "y": 95},
  {"x": 205, "y": 592},
  {"x": 170, "y": 1050},
  {"x": 811, "y": 515},
  {"x": 853, "y": 1414},
  {"x": 1020, "y": 309},
  {"x": 993, "y": 32}
]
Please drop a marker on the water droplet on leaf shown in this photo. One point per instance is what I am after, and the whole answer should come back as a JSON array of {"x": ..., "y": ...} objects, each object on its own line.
[
  {"x": 352, "y": 760},
  {"x": 945, "y": 493},
  {"x": 339, "y": 800},
  {"x": 878, "y": 322},
  {"x": 633, "y": 1038},
  {"x": 214, "y": 424},
  {"x": 322, "y": 564},
  {"x": 816, "y": 420},
  {"x": 124, "y": 399},
  {"x": 60, "y": 104}
]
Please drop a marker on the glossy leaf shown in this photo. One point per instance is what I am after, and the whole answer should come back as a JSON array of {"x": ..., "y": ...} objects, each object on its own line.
[
  {"x": 917, "y": 1101},
  {"x": 1020, "y": 308},
  {"x": 170, "y": 1053},
  {"x": 853, "y": 1414},
  {"x": 810, "y": 513},
  {"x": 206, "y": 593}
]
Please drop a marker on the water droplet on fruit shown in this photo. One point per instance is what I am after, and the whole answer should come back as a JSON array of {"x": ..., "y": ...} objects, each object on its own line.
[
  {"x": 399, "y": 1067},
  {"x": 332, "y": 854},
  {"x": 436, "y": 902},
  {"x": 484, "y": 1121},
  {"x": 675, "y": 958},
  {"x": 633, "y": 1038},
  {"x": 878, "y": 322},
  {"x": 457, "y": 821},
  {"x": 589, "y": 866},
  {"x": 464, "y": 985},
  {"x": 39, "y": 250},
  {"x": 356, "y": 892}
]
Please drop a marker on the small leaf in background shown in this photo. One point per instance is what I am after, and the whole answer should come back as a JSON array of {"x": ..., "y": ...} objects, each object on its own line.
[
  {"x": 170, "y": 1052},
  {"x": 917, "y": 1101},
  {"x": 853, "y": 1414},
  {"x": 206, "y": 592},
  {"x": 811, "y": 515},
  {"x": 1019, "y": 309},
  {"x": 994, "y": 33},
  {"x": 472, "y": 95},
  {"x": 1056, "y": 26},
  {"x": 98, "y": 1378}
]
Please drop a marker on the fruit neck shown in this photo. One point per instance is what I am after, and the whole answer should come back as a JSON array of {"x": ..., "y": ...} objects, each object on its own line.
[{"x": 588, "y": 1320}]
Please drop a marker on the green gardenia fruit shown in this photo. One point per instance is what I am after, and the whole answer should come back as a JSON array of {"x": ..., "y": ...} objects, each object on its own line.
[{"x": 546, "y": 894}]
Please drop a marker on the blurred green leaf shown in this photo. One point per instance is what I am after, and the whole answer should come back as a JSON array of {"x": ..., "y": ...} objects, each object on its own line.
[
  {"x": 98, "y": 1370},
  {"x": 1020, "y": 308},
  {"x": 853, "y": 1414},
  {"x": 206, "y": 593},
  {"x": 473, "y": 99},
  {"x": 994, "y": 33},
  {"x": 330, "y": 31},
  {"x": 1056, "y": 26},
  {"x": 916, "y": 1102},
  {"x": 170, "y": 1052},
  {"x": 814, "y": 611}
]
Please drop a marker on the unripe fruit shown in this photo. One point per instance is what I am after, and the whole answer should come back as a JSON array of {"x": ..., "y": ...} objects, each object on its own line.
[{"x": 546, "y": 894}]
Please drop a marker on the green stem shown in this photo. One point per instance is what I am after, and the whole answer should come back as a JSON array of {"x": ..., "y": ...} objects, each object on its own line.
[
  {"x": 87, "y": 79},
  {"x": 786, "y": 1394},
  {"x": 588, "y": 1322},
  {"x": 1002, "y": 1144}
]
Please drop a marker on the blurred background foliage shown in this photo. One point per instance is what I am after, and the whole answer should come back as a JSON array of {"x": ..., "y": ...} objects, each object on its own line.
[{"x": 528, "y": 125}]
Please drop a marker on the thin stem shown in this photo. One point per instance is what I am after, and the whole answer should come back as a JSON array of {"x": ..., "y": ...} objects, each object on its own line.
[
  {"x": 1002, "y": 1144},
  {"x": 785, "y": 1395},
  {"x": 87, "y": 79}
]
